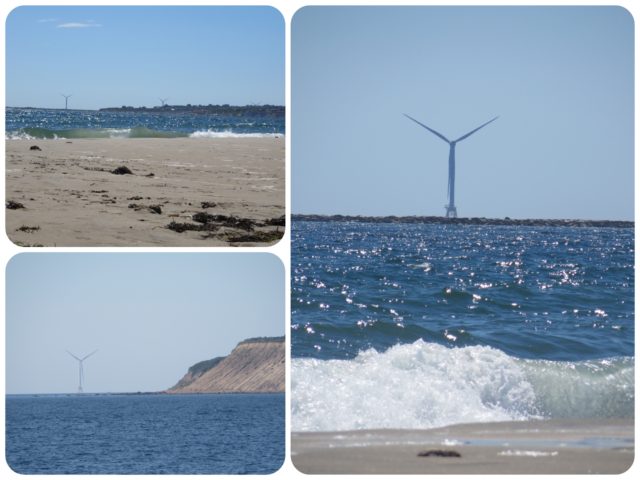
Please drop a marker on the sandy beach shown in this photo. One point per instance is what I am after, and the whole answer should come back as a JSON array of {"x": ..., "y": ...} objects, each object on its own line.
[
  {"x": 532, "y": 447},
  {"x": 213, "y": 192}
]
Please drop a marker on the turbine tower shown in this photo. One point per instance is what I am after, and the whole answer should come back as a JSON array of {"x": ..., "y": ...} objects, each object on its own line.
[
  {"x": 451, "y": 207},
  {"x": 66, "y": 100},
  {"x": 80, "y": 368}
]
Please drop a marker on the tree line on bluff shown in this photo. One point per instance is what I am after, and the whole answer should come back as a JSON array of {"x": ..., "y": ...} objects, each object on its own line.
[{"x": 230, "y": 110}]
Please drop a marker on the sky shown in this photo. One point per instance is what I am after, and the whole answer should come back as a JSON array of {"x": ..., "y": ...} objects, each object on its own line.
[
  {"x": 150, "y": 316},
  {"x": 114, "y": 56},
  {"x": 559, "y": 78}
]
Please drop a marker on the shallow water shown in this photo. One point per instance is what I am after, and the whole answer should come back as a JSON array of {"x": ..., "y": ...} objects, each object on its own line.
[{"x": 26, "y": 123}]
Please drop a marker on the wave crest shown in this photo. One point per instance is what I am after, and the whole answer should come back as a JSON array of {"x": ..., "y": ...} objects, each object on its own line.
[
  {"x": 426, "y": 385},
  {"x": 37, "y": 133}
]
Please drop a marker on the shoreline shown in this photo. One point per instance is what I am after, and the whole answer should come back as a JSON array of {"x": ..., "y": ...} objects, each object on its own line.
[
  {"x": 298, "y": 217},
  {"x": 580, "y": 446},
  {"x": 205, "y": 192}
]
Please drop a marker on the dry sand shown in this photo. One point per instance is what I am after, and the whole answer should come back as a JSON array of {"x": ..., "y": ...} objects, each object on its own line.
[
  {"x": 533, "y": 447},
  {"x": 71, "y": 198}
]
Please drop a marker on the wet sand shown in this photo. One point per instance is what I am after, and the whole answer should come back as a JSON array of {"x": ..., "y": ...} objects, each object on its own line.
[
  {"x": 532, "y": 447},
  {"x": 71, "y": 198}
]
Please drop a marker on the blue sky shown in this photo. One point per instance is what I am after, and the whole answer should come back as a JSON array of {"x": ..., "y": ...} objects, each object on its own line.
[
  {"x": 150, "y": 316},
  {"x": 561, "y": 80},
  {"x": 113, "y": 56}
]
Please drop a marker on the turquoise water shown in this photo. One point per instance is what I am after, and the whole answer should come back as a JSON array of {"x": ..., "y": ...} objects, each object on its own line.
[
  {"x": 50, "y": 123},
  {"x": 408, "y": 326}
]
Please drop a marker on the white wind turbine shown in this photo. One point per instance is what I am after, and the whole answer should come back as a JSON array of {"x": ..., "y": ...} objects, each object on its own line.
[
  {"x": 451, "y": 190},
  {"x": 80, "y": 368}
]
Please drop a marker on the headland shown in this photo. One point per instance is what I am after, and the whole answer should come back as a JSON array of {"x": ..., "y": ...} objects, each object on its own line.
[{"x": 255, "y": 365}]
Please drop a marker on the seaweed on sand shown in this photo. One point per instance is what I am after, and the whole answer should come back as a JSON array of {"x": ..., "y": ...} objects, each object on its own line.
[
  {"x": 439, "y": 453},
  {"x": 122, "y": 171},
  {"x": 152, "y": 208},
  {"x": 183, "y": 227},
  {"x": 260, "y": 236},
  {"x": 11, "y": 205},
  {"x": 27, "y": 229},
  {"x": 278, "y": 221},
  {"x": 224, "y": 221}
]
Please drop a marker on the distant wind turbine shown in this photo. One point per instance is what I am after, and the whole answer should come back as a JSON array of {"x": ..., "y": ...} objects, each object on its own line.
[
  {"x": 451, "y": 208},
  {"x": 66, "y": 100},
  {"x": 163, "y": 101},
  {"x": 80, "y": 368}
]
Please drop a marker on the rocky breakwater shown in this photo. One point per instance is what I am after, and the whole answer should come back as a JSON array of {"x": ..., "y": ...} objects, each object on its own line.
[
  {"x": 526, "y": 222},
  {"x": 256, "y": 365}
]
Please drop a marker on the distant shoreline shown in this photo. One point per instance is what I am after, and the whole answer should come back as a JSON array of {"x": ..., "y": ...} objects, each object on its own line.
[
  {"x": 225, "y": 109},
  {"x": 537, "y": 222}
]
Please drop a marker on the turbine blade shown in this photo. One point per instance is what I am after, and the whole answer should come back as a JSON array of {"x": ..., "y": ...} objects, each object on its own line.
[
  {"x": 475, "y": 130},
  {"x": 430, "y": 129},
  {"x": 84, "y": 358},
  {"x": 72, "y": 355}
]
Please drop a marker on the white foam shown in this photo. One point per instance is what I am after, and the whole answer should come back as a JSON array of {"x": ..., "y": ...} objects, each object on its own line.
[
  {"x": 118, "y": 132},
  {"x": 421, "y": 385},
  {"x": 18, "y": 136},
  {"x": 229, "y": 134},
  {"x": 427, "y": 385},
  {"x": 527, "y": 453}
]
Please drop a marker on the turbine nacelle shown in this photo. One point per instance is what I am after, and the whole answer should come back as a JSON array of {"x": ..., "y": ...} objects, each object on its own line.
[{"x": 450, "y": 208}]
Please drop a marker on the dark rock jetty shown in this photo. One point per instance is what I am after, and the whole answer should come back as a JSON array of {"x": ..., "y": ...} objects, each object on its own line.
[{"x": 465, "y": 221}]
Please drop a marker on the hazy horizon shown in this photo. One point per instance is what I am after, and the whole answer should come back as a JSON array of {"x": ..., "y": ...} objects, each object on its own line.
[
  {"x": 560, "y": 78},
  {"x": 150, "y": 316},
  {"x": 138, "y": 55},
  {"x": 152, "y": 107}
]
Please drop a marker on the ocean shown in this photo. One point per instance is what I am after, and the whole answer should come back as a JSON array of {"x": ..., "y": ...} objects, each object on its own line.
[
  {"x": 35, "y": 123},
  {"x": 145, "y": 434},
  {"x": 423, "y": 325}
]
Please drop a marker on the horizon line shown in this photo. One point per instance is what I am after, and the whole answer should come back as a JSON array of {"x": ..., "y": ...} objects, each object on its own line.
[
  {"x": 160, "y": 106},
  {"x": 507, "y": 218}
]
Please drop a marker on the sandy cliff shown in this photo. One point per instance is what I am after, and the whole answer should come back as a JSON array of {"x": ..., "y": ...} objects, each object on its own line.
[{"x": 255, "y": 365}]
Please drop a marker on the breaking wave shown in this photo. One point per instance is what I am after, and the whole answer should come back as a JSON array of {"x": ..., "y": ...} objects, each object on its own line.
[
  {"x": 230, "y": 134},
  {"x": 135, "y": 132},
  {"x": 427, "y": 385}
]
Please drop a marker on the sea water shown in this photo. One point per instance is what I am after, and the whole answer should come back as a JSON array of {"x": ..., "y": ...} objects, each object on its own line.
[
  {"x": 420, "y": 326},
  {"x": 33, "y": 123},
  {"x": 145, "y": 434}
]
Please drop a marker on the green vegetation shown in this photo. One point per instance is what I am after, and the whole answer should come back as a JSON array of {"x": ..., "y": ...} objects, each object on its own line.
[
  {"x": 230, "y": 110},
  {"x": 201, "y": 367},
  {"x": 262, "y": 340}
]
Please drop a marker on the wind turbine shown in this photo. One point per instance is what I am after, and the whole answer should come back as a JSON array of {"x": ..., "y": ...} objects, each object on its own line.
[
  {"x": 80, "y": 368},
  {"x": 163, "y": 101},
  {"x": 66, "y": 100},
  {"x": 451, "y": 208}
]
